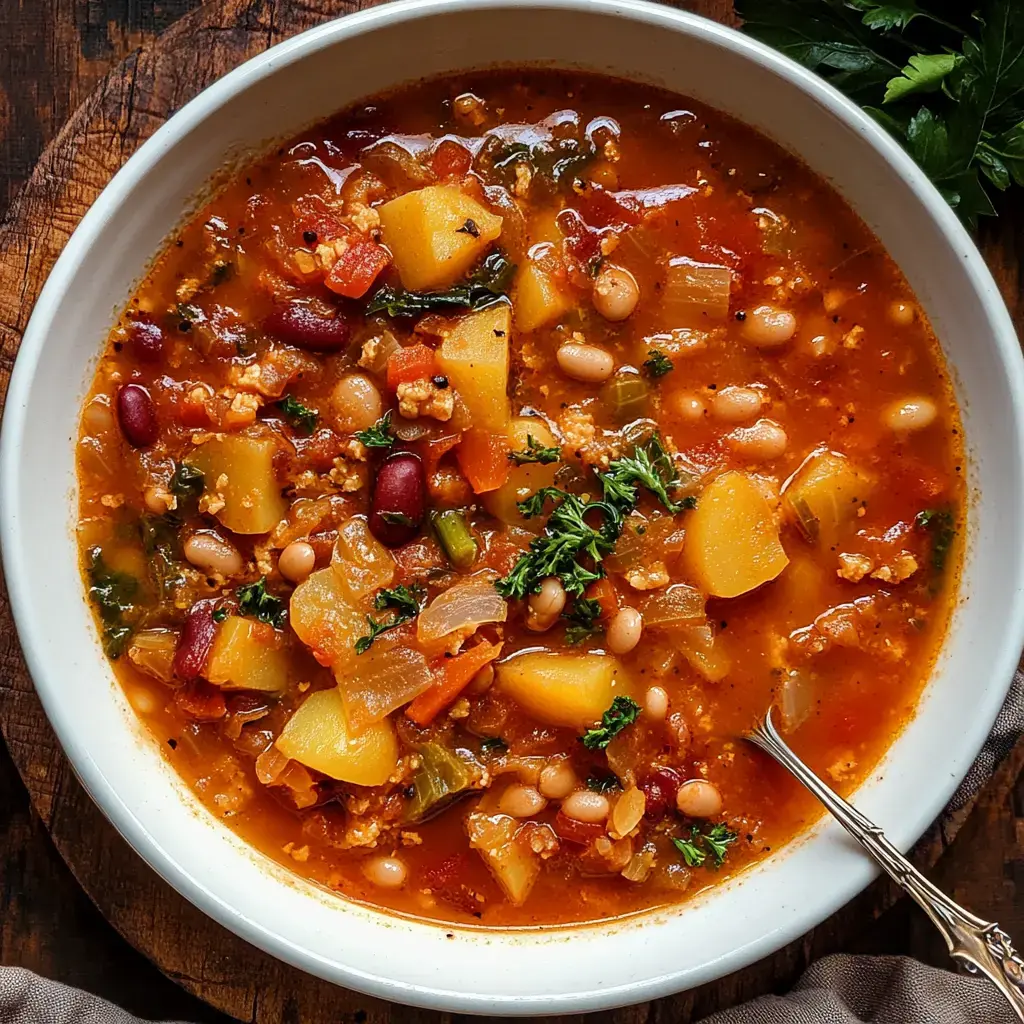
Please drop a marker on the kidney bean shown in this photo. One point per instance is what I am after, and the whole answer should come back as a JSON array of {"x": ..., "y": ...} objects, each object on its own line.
[
  {"x": 300, "y": 325},
  {"x": 147, "y": 340},
  {"x": 399, "y": 498},
  {"x": 196, "y": 639},
  {"x": 137, "y": 415},
  {"x": 659, "y": 787}
]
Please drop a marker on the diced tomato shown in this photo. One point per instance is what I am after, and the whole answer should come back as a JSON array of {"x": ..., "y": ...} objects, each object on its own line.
[
  {"x": 603, "y": 592},
  {"x": 603, "y": 209},
  {"x": 450, "y": 160},
  {"x": 483, "y": 457},
  {"x": 409, "y": 364},
  {"x": 201, "y": 701},
  {"x": 454, "y": 676},
  {"x": 312, "y": 214},
  {"x": 434, "y": 450},
  {"x": 357, "y": 268},
  {"x": 192, "y": 407},
  {"x": 582, "y": 832}
]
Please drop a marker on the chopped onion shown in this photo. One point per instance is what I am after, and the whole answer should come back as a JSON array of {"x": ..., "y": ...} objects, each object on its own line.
[
  {"x": 381, "y": 681},
  {"x": 152, "y": 651},
  {"x": 696, "y": 292},
  {"x": 409, "y": 430},
  {"x": 270, "y": 764},
  {"x": 678, "y": 605},
  {"x": 628, "y": 811},
  {"x": 466, "y": 604},
  {"x": 703, "y": 650},
  {"x": 300, "y": 784},
  {"x": 362, "y": 563},
  {"x": 796, "y": 699},
  {"x": 639, "y": 867}
]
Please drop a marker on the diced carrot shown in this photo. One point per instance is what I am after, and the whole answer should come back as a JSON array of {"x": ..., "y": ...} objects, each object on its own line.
[
  {"x": 450, "y": 160},
  {"x": 483, "y": 457},
  {"x": 409, "y": 364},
  {"x": 582, "y": 832},
  {"x": 603, "y": 592},
  {"x": 357, "y": 268},
  {"x": 455, "y": 675}
]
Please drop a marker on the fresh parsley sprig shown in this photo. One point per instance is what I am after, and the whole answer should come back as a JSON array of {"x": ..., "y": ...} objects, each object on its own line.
[
  {"x": 582, "y": 620},
  {"x": 254, "y": 601},
  {"x": 300, "y": 416},
  {"x": 938, "y": 522},
  {"x": 379, "y": 435},
  {"x": 716, "y": 842},
  {"x": 650, "y": 466},
  {"x": 624, "y": 711},
  {"x": 657, "y": 364},
  {"x": 535, "y": 452},
  {"x": 403, "y": 600}
]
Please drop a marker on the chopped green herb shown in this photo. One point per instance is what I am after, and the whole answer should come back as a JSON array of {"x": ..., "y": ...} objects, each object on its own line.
[
  {"x": 603, "y": 783},
  {"x": 582, "y": 620},
  {"x": 161, "y": 542},
  {"x": 535, "y": 452},
  {"x": 553, "y": 162},
  {"x": 404, "y": 601},
  {"x": 942, "y": 527},
  {"x": 493, "y": 745},
  {"x": 112, "y": 593},
  {"x": 484, "y": 288},
  {"x": 566, "y": 537},
  {"x": 397, "y": 519},
  {"x": 186, "y": 481},
  {"x": 220, "y": 614},
  {"x": 658, "y": 364},
  {"x": 254, "y": 601},
  {"x": 379, "y": 435},
  {"x": 650, "y": 467},
  {"x": 300, "y": 416},
  {"x": 716, "y": 842},
  {"x": 624, "y": 711}
]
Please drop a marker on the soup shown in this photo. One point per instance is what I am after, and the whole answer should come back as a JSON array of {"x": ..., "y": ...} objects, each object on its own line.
[{"x": 470, "y": 472}]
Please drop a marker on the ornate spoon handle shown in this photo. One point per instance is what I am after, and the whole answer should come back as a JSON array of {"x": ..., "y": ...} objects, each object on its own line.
[{"x": 980, "y": 945}]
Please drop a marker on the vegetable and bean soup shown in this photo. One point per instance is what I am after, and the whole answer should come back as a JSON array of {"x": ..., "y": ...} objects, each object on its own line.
[{"x": 472, "y": 470}]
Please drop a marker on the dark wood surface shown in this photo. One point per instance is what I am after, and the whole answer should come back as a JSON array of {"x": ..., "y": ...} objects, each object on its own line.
[{"x": 55, "y": 848}]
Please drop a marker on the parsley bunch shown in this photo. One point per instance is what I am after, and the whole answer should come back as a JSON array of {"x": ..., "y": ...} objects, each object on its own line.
[
  {"x": 945, "y": 79},
  {"x": 716, "y": 842}
]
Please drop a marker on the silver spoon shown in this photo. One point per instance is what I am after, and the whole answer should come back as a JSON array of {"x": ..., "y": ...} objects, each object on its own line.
[{"x": 980, "y": 945}]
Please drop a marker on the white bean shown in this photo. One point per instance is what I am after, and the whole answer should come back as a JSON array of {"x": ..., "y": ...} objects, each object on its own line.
[
  {"x": 544, "y": 607},
  {"x": 760, "y": 442},
  {"x": 211, "y": 553},
  {"x": 386, "y": 872},
  {"x": 623, "y": 633},
  {"x": 735, "y": 404},
  {"x": 698, "y": 798},
  {"x": 355, "y": 403},
  {"x": 689, "y": 408},
  {"x": 584, "y": 805},
  {"x": 769, "y": 327},
  {"x": 585, "y": 362},
  {"x": 557, "y": 780},
  {"x": 521, "y": 802},
  {"x": 656, "y": 703},
  {"x": 615, "y": 292},
  {"x": 296, "y": 561},
  {"x": 909, "y": 414}
]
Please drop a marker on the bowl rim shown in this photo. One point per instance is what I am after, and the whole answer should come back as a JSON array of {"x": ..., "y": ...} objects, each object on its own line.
[{"x": 289, "y": 51}]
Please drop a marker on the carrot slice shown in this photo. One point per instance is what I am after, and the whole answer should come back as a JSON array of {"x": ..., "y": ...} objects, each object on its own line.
[
  {"x": 456, "y": 674},
  {"x": 483, "y": 457},
  {"x": 357, "y": 268},
  {"x": 409, "y": 364}
]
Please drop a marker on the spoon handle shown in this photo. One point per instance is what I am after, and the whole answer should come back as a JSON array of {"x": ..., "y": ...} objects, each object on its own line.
[{"x": 980, "y": 945}]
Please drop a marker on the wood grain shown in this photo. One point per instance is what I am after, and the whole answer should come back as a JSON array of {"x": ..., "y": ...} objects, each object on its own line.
[{"x": 57, "y": 59}]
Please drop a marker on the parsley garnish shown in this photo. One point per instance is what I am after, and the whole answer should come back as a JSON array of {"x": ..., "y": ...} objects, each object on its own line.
[
  {"x": 658, "y": 364},
  {"x": 254, "y": 601},
  {"x": 379, "y": 435},
  {"x": 566, "y": 536},
  {"x": 624, "y": 711},
  {"x": 535, "y": 452},
  {"x": 583, "y": 620},
  {"x": 397, "y": 519},
  {"x": 946, "y": 80},
  {"x": 650, "y": 467},
  {"x": 220, "y": 614},
  {"x": 112, "y": 592},
  {"x": 484, "y": 288},
  {"x": 186, "y": 481},
  {"x": 940, "y": 524},
  {"x": 300, "y": 416},
  {"x": 405, "y": 603},
  {"x": 603, "y": 783},
  {"x": 493, "y": 745},
  {"x": 716, "y": 841}
]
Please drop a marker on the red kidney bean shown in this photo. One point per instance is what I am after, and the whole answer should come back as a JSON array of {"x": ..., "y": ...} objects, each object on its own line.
[
  {"x": 137, "y": 415},
  {"x": 147, "y": 340},
  {"x": 196, "y": 640},
  {"x": 299, "y": 325},
  {"x": 399, "y": 500},
  {"x": 659, "y": 787}
]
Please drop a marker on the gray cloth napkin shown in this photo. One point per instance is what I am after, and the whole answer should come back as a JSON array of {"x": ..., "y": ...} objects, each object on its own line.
[{"x": 836, "y": 990}]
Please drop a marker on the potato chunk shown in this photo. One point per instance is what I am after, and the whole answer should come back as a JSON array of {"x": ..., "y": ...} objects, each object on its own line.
[
  {"x": 537, "y": 298},
  {"x": 522, "y": 481},
  {"x": 248, "y": 655},
  {"x": 239, "y": 472},
  {"x": 732, "y": 542},
  {"x": 572, "y": 690},
  {"x": 513, "y": 864},
  {"x": 317, "y": 735},
  {"x": 325, "y": 619},
  {"x": 474, "y": 358},
  {"x": 427, "y": 234},
  {"x": 824, "y": 494}
]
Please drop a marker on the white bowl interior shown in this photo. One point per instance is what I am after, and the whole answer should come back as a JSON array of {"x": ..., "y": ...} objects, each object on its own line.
[{"x": 513, "y": 972}]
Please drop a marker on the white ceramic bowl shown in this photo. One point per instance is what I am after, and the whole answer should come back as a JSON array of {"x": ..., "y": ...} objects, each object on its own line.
[{"x": 518, "y": 972}]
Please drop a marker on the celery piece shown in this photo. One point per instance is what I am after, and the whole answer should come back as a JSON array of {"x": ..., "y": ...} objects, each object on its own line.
[{"x": 453, "y": 532}]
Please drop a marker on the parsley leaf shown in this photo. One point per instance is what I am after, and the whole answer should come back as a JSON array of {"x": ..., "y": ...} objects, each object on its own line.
[
  {"x": 658, "y": 364},
  {"x": 624, "y": 711},
  {"x": 186, "y": 481},
  {"x": 650, "y": 467},
  {"x": 484, "y": 288},
  {"x": 300, "y": 416},
  {"x": 403, "y": 600},
  {"x": 254, "y": 601},
  {"x": 716, "y": 842},
  {"x": 942, "y": 527},
  {"x": 583, "y": 620},
  {"x": 113, "y": 593},
  {"x": 603, "y": 783},
  {"x": 493, "y": 745},
  {"x": 535, "y": 452},
  {"x": 692, "y": 853},
  {"x": 923, "y": 73},
  {"x": 379, "y": 435},
  {"x": 220, "y": 614}
]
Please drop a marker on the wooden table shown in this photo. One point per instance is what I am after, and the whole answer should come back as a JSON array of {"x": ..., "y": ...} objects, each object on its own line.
[{"x": 54, "y": 53}]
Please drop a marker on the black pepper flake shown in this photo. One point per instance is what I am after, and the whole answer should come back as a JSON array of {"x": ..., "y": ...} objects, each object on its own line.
[
  {"x": 499, "y": 334},
  {"x": 173, "y": 744},
  {"x": 309, "y": 237},
  {"x": 241, "y": 229},
  {"x": 712, "y": 387},
  {"x": 248, "y": 181},
  {"x": 439, "y": 382},
  {"x": 184, "y": 326},
  {"x": 118, "y": 346},
  {"x": 469, "y": 228},
  {"x": 179, "y": 243},
  {"x": 741, "y": 316},
  {"x": 409, "y": 792}
]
